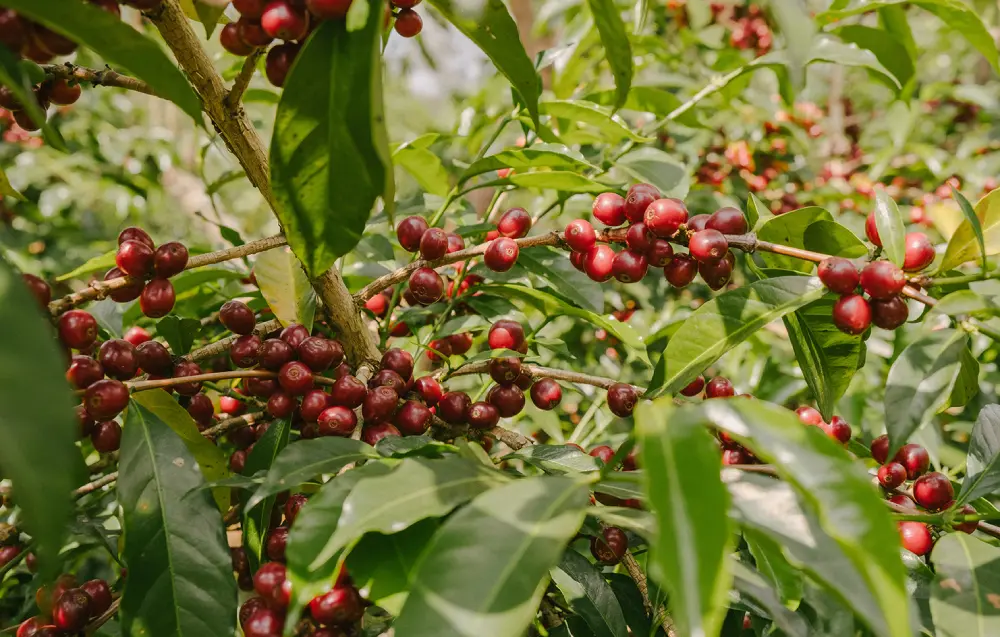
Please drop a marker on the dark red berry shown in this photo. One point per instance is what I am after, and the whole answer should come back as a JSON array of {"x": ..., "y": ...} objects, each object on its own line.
[
  {"x": 426, "y": 285},
  {"x": 280, "y": 404},
  {"x": 83, "y": 371},
  {"x": 505, "y": 370},
  {"x": 337, "y": 421},
  {"x": 348, "y": 392},
  {"x": 250, "y": 606},
  {"x": 245, "y": 351},
  {"x": 277, "y": 540},
  {"x": 694, "y": 387},
  {"x": 603, "y": 453},
  {"x": 371, "y": 433},
  {"x": 889, "y": 313},
  {"x": 839, "y": 275},
  {"x": 72, "y": 610},
  {"x": 727, "y": 220},
  {"x": 274, "y": 353},
  {"x": 609, "y": 209},
  {"x": 39, "y": 289},
  {"x": 135, "y": 234},
  {"x": 681, "y": 270},
  {"x": 915, "y": 537},
  {"x": 154, "y": 358},
  {"x": 118, "y": 359},
  {"x": 157, "y": 298},
  {"x": 546, "y": 394},
  {"x": 293, "y": 505},
  {"x": 891, "y": 475},
  {"x": 698, "y": 222},
  {"x": 410, "y": 231},
  {"x": 664, "y": 216},
  {"x": 598, "y": 263},
  {"x": 238, "y": 460},
  {"x": 509, "y": 400},
  {"x": 14, "y": 31},
  {"x": 230, "y": 39},
  {"x": 506, "y": 334},
  {"x": 638, "y": 199},
  {"x": 127, "y": 293},
  {"x": 453, "y": 407},
  {"x": 320, "y": 353},
  {"x": 933, "y": 491},
  {"x": 429, "y": 388},
  {"x": 455, "y": 243},
  {"x": 919, "y": 252},
  {"x": 610, "y": 547},
  {"x": 660, "y": 253},
  {"x": 260, "y": 387},
  {"x": 399, "y": 361},
  {"x": 379, "y": 404},
  {"x": 237, "y": 317},
  {"x": 408, "y": 23},
  {"x": 413, "y": 418},
  {"x": 914, "y": 458},
  {"x": 251, "y": 33},
  {"x": 279, "y": 61},
  {"x": 170, "y": 259},
  {"x": 434, "y": 244},
  {"x": 622, "y": 399},
  {"x": 967, "y": 527},
  {"x": 269, "y": 582},
  {"x": 719, "y": 387},
  {"x": 460, "y": 343},
  {"x": 77, "y": 329},
  {"x": 880, "y": 449},
  {"x": 482, "y": 415},
  {"x": 134, "y": 258},
  {"x": 313, "y": 403},
  {"x": 871, "y": 230},
  {"x": 342, "y": 605},
  {"x": 105, "y": 399},
  {"x": 882, "y": 280},
  {"x": 708, "y": 245},
  {"x": 629, "y": 266},
  {"x": 264, "y": 622},
  {"x": 388, "y": 378},
  {"x": 282, "y": 20},
  {"x": 514, "y": 223},
  {"x": 638, "y": 238},
  {"x": 296, "y": 378},
  {"x": 717, "y": 274},
  {"x": 501, "y": 254},
  {"x": 107, "y": 436},
  {"x": 851, "y": 314},
  {"x": 137, "y": 335},
  {"x": 100, "y": 596},
  {"x": 187, "y": 368},
  {"x": 576, "y": 258},
  {"x": 579, "y": 235}
]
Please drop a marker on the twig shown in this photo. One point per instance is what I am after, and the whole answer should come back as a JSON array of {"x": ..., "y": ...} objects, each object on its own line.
[
  {"x": 104, "y": 77},
  {"x": 163, "y": 383},
  {"x": 537, "y": 371},
  {"x": 222, "y": 345},
  {"x": 242, "y": 80},
  {"x": 229, "y": 424},
  {"x": 104, "y": 618},
  {"x": 90, "y": 487}
]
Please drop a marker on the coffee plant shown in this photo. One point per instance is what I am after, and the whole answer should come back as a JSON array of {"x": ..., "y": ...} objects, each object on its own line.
[{"x": 565, "y": 319}]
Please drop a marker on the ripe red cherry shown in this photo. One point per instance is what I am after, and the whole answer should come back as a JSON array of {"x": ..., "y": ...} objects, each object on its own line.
[
  {"x": 509, "y": 400},
  {"x": 100, "y": 596},
  {"x": 546, "y": 394},
  {"x": 638, "y": 199},
  {"x": 294, "y": 334},
  {"x": 576, "y": 258},
  {"x": 229, "y": 38},
  {"x": 378, "y": 304},
  {"x": 278, "y": 62},
  {"x": 320, "y": 353},
  {"x": 388, "y": 378},
  {"x": 638, "y": 238},
  {"x": 622, "y": 399},
  {"x": 72, "y": 610},
  {"x": 629, "y": 266},
  {"x": 277, "y": 540},
  {"x": 455, "y": 243},
  {"x": 157, "y": 298},
  {"x": 408, "y": 23},
  {"x": 105, "y": 399},
  {"x": 251, "y": 33},
  {"x": 170, "y": 259},
  {"x": 880, "y": 449},
  {"x": 882, "y": 280},
  {"x": 891, "y": 475},
  {"x": 501, "y": 254},
  {"x": 134, "y": 258},
  {"x": 118, "y": 359},
  {"x": 933, "y": 491},
  {"x": 283, "y": 21},
  {"x": 313, "y": 403},
  {"x": 83, "y": 371},
  {"x": 914, "y": 458},
  {"x": 660, "y": 253},
  {"x": 889, "y": 313},
  {"x": 598, "y": 263},
  {"x": 603, "y": 453},
  {"x": 851, "y": 314},
  {"x": 838, "y": 429},
  {"x": 809, "y": 415},
  {"x": 201, "y": 410},
  {"x": 135, "y": 234},
  {"x": 264, "y": 622},
  {"x": 237, "y": 317},
  {"x": 399, "y": 361},
  {"x": 250, "y": 606},
  {"x": 413, "y": 418},
  {"x": 295, "y": 377},
  {"x": 726, "y": 220},
  {"x": 514, "y": 223},
  {"x": 426, "y": 285},
  {"x": 137, "y": 335},
  {"x": 342, "y": 605},
  {"x": 916, "y": 537},
  {"x": 245, "y": 351},
  {"x": 77, "y": 329},
  {"x": 269, "y": 580},
  {"x": 505, "y": 334},
  {"x": 839, "y": 275},
  {"x": 716, "y": 274},
  {"x": 330, "y": 9},
  {"x": 39, "y": 289},
  {"x": 433, "y": 244},
  {"x": 708, "y": 245},
  {"x": 453, "y": 407},
  {"x": 62, "y": 93},
  {"x": 280, "y": 404},
  {"x": 903, "y": 500},
  {"x": 664, "y": 216},
  {"x": 154, "y": 358},
  {"x": 107, "y": 436},
  {"x": 609, "y": 209},
  {"x": 371, "y": 433},
  {"x": 694, "y": 387},
  {"x": 293, "y": 505},
  {"x": 14, "y": 31},
  {"x": 410, "y": 230},
  {"x": 260, "y": 387},
  {"x": 580, "y": 235},
  {"x": 482, "y": 415},
  {"x": 871, "y": 230},
  {"x": 429, "y": 388},
  {"x": 681, "y": 270},
  {"x": 460, "y": 343},
  {"x": 379, "y": 404},
  {"x": 609, "y": 548},
  {"x": 719, "y": 387},
  {"x": 274, "y": 353},
  {"x": 698, "y": 222},
  {"x": 505, "y": 370},
  {"x": 348, "y": 392},
  {"x": 919, "y": 252},
  {"x": 232, "y": 406},
  {"x": 967, "y": 527},
  {"x": 187, "y": 368},
  {"x": 238, "y": 460},
  {"x": 129, "y": 292}
]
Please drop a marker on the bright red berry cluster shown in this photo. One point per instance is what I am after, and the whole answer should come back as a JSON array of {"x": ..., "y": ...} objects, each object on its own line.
[
  {"x": 66, "y": 608},
  {"x": 140, "y": 259}
]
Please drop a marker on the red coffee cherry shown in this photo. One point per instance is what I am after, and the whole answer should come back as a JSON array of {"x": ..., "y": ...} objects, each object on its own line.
[
  {"x": 245, "y": 351},
  {"x": 603, "y": 453},
  {"x": 277, "y": 540},
  {"x": 413, "y": 418},
  {"x": 410, "y": 231},
  {"x": 839, "y": 275},
  {"x": 408, "y": 23},
  {"x": 201, "y": 410},
  {"x": 293, "y": 505},
  {"x": 274, "y": 353},
  {"x": 283, "y": 21},
  {"x": 933, "y": 491},
  {"x": 460, "y": 343},
  {"x": 105, "y": 399},
  {"x": 919, "y": 252},
  {"x": 660, "y": 253},
  {"x": 694, "y": 387},
  {"x": 118, "y": 359},
  {"x": 39, "y": 289},
  {"x": 882, "y": 280},
  {"x": 638, "y": 199},
  {"x": 100, "y": 596},
  {"x": 576, "y": 258},
  {"x": 967, "y": 527},
  {"x": 378, "y": 304},
  {"x": 157, "y": 298},
  {"x": 124, "y": 294},
  {"x": 229, "y": 38},
  {"x": 260, "y": 387},
  {"x": 250, "y": 607},
  {"x": 313, "y": 403},
  {"x": 379, "y": 404},
  {"x": 320, "y": 353},
  {"x": 426, "y": 286},
  {"x": 482, "y": 415},
  {"x": 134, "y": 258},
  {"x": 838, "y": 429},
  {"x": 629, "y": 266},
  {"x": 251, "y": 33},
  {"x": 296, "y": 378},
  {"x": 14, "y": 33},
  {"x": 83, "y": 371},
  {"x": 508, "y": 399},
  {"x": 716, "y": 274},
  {"x": 891, "y": 475},
  {"x": 294, "y": 334},
  {"x": 107, "y": 436},
  {"x": 342, "y": 605},
  {"x": 371, "y": 433},
  {"x": 851, "y": 314},
  {"x": 809, "y": 415},
  {"x": 429, "y": 388},
  {"x": 270, "y": 583},
  {"x": 330, "y": 9},
  {"x": 399, "y": 361},
  {"x": 455, "y": 243},
  {"x": 708, "y": 245},
  {"x": 388, "y": 378},
  {"x": 231, "y": 406},
  {"x": 664, "y": 216},
  {"x": 871, "y": 230},
  {"x": 348, "y": 392},
  {"x": 280, "y": 404},
  {"x": 71, "y": 611},
  {"x": 501, "y": 254},
  {"x": 505, "y": 370},
  {"x": 609, "y": 548},
  {"x": 279, "y": 61},
  {"x": 453, "y": 407},
  {"x": 77, "y": 329},
  {"x": 915, "y": 537},
  {"x": 136, "y": 335},
  {"x": 726, "y": 220},
  {"x": 880, "y": 449},
  {"x": 598, "y": 263},
  {"x": 622, "y": 399},
  {"x": 135, "y": 234},
  {"x": 681, "y": 270},
  {"x": 187, "y": 368},
  {"x": 580, "y": 235},
  {"x": 638, "y": 238},
  {"x": 546, "y": 394},
  {"x": 889, "y": 313},
  {"x": 433, "y": 244},
  {"x": 170, "y": 259},
  {"x": 698, "y": 223},
  {"x": 505, "y": 334},
  {"x": 903, "y": 500},
  {"x": 609, "y": 209},
  {"x": 719, "y": 387},
  {"x": 514, "y": 223},
  {"x": 914, "y": 458},
  {"x": 154, "y": 358}
]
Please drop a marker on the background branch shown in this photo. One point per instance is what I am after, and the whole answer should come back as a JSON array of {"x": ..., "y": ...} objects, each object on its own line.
[{"x": 103, "y": 77}]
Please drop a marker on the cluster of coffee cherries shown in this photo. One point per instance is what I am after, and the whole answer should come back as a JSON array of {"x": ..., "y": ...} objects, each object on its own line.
[
  {"x": 748, "y": 27},
  {"x": 59, "y": 91},
  {"x": 334, "y": 613},
  {"x": 66, "y": 608},
  {"x": 150, "y": 268},
  {"x": 882, "y": 281}
]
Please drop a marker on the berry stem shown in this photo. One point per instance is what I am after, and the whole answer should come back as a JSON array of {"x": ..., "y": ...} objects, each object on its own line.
[
  {"x": 104, "y": 77},
  {"x": 929, "y": 282},
  {"x": 162, "y": 383},
  {"x": 223, "y": 344},
  {"x": 242, "y": 80}
]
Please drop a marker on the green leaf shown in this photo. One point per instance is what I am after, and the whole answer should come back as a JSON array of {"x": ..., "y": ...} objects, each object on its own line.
[
  {"x": 967, "y": 384},
  {"x": 210, "y": 15},
  {"x": 773, "y": 565},
  {"x": 257, "y": 520},
  {"x": 649, "y": 99},
  {"x": 536, "y": 156},
  {"x": 982, "y": 467},
  {"x": 798, "y": 31},
  {"x": 630, "y": 600},
  {"x": 920, "y": 382},
  {"x": 589, "y": 595},
  {"x": 178, "y": 332},
  {"x": 117, "y": 43},
  {"x": 6, "y": 190},
  {"x": 889, "y": 50},
  {"x": 827, "y": 357},
  {"x": 749, "y": 584},
  {"x": 493, "y": 30},
  {"x": 681, "y": 462},
  {"x": 964, "y": 244},
  {"x": 99, "y": 263},
  {"x": 329, "y": 152},
  {"x": 789, "y": 230},
  {"x": 723, "y": 323},
  {"x": 425, "y": 167},
  {"x": 381, "y": 565},
  {"x": 560, "y": 180},
  {"x": 617, "y": 50},
  {"x": 966, "y": 589},
  {"x": 758, "y": 213},
  {"x": 285, "y": 287},
  {"x": 36, "y": 418},
  {"x": 612, "y": 126},
  {"x": 14, "y": 76},
  {"x": 406, "y": 446},
  {"x": 556, "y": 458},
  {"x": 849, "y": 509},
  {"x": 652, "y": 165},
  {"x": 890, "y": 227},
  {"x": 551, "y": 265},
  {"x": 526, "y": 524},
  {"x": 304, "y": 459},
  {"x": 973, "y": 220},
  {"x": 967, "y": 302},
  {"x": 829, "y": 237},
  {"x": 640, "y": 522},
  {"x": 176, "y": 545},
  {"x": 893, "y": 19}
]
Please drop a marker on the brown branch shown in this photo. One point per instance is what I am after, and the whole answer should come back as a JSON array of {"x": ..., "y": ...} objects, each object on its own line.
[
  {"x": 537, "y": 371},
  {"x": 163, "y": 383},
  {"x": 229, "y": 424},
  {"x": 242, "y": 80},
  {"x": 222, "y": 345},
  {"x": 104, "y": 77},
  {"x": 94, "y": 485},
  {"x": 360, "y": 342},
  {"x": 104, "y": 618},
  {"x": 510, "y": 438}
]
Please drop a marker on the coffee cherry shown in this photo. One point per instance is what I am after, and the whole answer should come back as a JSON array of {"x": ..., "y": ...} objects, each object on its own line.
[
  {"x": 726, "y": 220},
  {"x": 294, "y": 334},
  {"x": 245, "y": 351},
  {"x": 135, "y": 234},
  {"x": 379, "y": 404},
  {"x": 719, "y": 387},
  {"x": 330, "y": 9},
  {"x": 251, "y": 33},
  {"x": 429, "y": 388},
  {"x": 460, "y": 343},
  {"x": 933, "y": 491},
  {"x": 603, "y": 453},
  {"x": 622, "y": 399},
  {"x": 433, "y": 244},
  {"x": 277, "y": 540},
  {"x": 14, "y": 31},
  {"x": 280, "y": 404},
  {"x": 426, "y": 286},
  {"x": 880, "y": 449},
  {"x": 187, "y": 368},
  {"x": 967, "y": 527},
  {"x": 501, "y": 254},
  {"x": 717, "y": 274},
  {"x": 72, "y": 610},
  {"x": 505, "y": 334},
  {"x": 598, "y": 263},
  {"x": 638, "y": 199},
  {"x": 408, "y": 23},
  {"x": 413, "y": 418},
  {"x": 546, "y": 394},
  {"x": 154, "y": 358},
  {"x": 296, "y": 378},
  {"x": 118, "y": 359},
  {"x": 260, "y": 387},
  {"x": 278, "y": 62},
  {"x": 681, "y": 270},
  {"x": 664, "y": 216},
  {"x": 576, "y": 258},
  {"x": 134, "y": 258},
  {"x": 399, "y": 361},
  {"x": 514, "y": 223},
  {"x": 903, "y": 500},
  {"x": 708, "y": 245},
  {"x": 455, "y": 243},
  {"x": 283, "y": 21},
  {"x": 105, "y": 399},
  {"x": 129, "y": 292},
  {"x": 77, "y": 329},
  {"x": 157, "y": 298},
  {"x": 638, "y": 238},
  {"x": 505, "y": 370},
  {"x": 580, "y": 235},
  {"x": 83, "y": 371},
  {"x": 274, "y": 353},
  {"x": 882, "y": 280},
  {"x": 136, "y": 335},
  {"x": 889, "y": 313},
  {"x": 871, "y": 230},
  {"x": 231, "y": 406},
  {"x": 839, "y": 275},
  {"x": 107, "y": 436},
  {"x": 237, "y": 317},
  {"x": 100, "y": 596},
  {"x": 39, "y": 289},
  {"x": 509, "y": 400},
  {"x": 838, "y": 429},
  {"x": 388, "y": 378},
  {"x": 660, "y": 253},
  {"x": 371, "y": 433},
  {"x": 694, "y": 387},
  {"x": 809, "y": 415},
  {"x": 482, "y": 415},
  {"x": 313, "y": 403},
  {"x": 919, "y": 252},
  {"x": 269, "y": 582},
  {"x": 229, "y": 38},
  {"x": 609, "y": 209},
  {"x": 698, "y": 223},
  {"x": 851, "y": 314},
  {"x": 342, "y": 605},
  {"x": 264, "y": 622},
  {"x": 891, "y": 475},
  {"x": 348, "y": 392},
  {"x": 914, "y": 458},
  {"x": 916, "y": 537},
  {"x": 629, "y": 266},
  {"x": 453, "y": 407},
  {"x": 170, "y": 259},
  {"x": 319, "y": 353},
  {"x": 410, "y": 231},
  {"x": 609, "y": 548},
  {"x": 250, "y": 606}
]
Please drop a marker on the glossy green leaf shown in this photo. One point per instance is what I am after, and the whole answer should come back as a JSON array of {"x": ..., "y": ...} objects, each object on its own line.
[
  {"x": 965, "y": 595},
  {"x": 100, "y": 263},
  {"x": 726, "y": 321},
  {"x": 552, "y": 266},
  {"x": 638, "y": 521},
  {"x": 750, "y": 584},
  {"x": 617, "y": 50},
  {"x": 630, "y": 600},
  {"x": 117, "y": 43},
  {"x": 425, "y": 167},
  {"x": 176, "y": 546},
  {"x": 982, "y": 467},
  {"x": 537, "y": 156},
  {"x": 6, "y": 190},
  {"x": 773, "y": 565},
  {"x": 179, "y": 333},
  {"x": 381, "y": 565},
  {"x": 209, "y": 14},
  {"x": 967, "y": 302},
  {"x": 973, "y": 221},
  {"x": 623, "y": 484},
  {"x": 589, "y": 595},
  {"x": 329, "y": 153},
  {"x": 964, "y": 244},
  {"x": 559, "y": 180},
  {"x": 493, "y": 30},
  {"x": 920, "y": 382},
  {"x": 652, "y": 165},
  {"x": 611, "y": 126},
  {"x": 889, "y": 50},
  {"x": 758, "y": 213},
  {"x": 827, "y": 357},
  {"x": 257, "y": 520},
  {"x": 36, "y": 417},
  {"x": 890, "y": 227},
  {"x": 649, "y": 99},
  {"x": 285, "y": 287},
  {"x": 789, "y": 229},
  {"x": 305, "y": 459},
  {"x": 526, "y": 524},
  {"x": 406, "y": 446},
  {"x": 555, "y": 458},
  {"x": 967, "y": 384},
  {"x": 829, "y": 237}
]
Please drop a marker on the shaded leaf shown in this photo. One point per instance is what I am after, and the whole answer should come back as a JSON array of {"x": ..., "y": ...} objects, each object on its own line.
[
  {"x": 551, "y": 265},
  {"x": 406, "y": 446},
  {"x": 750, "y": 584},
  {"x": 589, "y": 596},
  {"x": 967, "y": 384},
  {"x": 889, "y": 50},
  {"x": 178, "y": 332},
  {"x": 617, "y": 49},
  {"x": 381, "y": 565},
  {"x": 965, "y": 595},
  {"x": 257, "y": 520},
  {"x": 285, "y": 287},
  {"x": 611, "y": 126},
  {"x": 536, "y": 156},
  {"x": 772, "y": 564},
  {"x": 890, "y": 227},
  {"x": 555, "y": 458},
  {"x": 982, "y": 467},
  {"x": 561, "y": 180},
  {"x": 630, "y": 600},
  {"x": 652, "y": 165}
]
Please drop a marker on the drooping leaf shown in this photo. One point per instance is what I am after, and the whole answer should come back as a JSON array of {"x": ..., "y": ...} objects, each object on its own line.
[
  {"x": 789, "y": 229},
  {"x": 967, "y": 383},
  {"x": 982, "y": 467},
  {"x": 889, "y": 50},
  {"x": 749, "y": 584},
  {"x": 890, "y": 227},
  {"x": 381, "y": 565},
  {"x": 829, "y": 237},
  {"x": 100, "y": 263},
  {"x": 257, "y": 520},
  {"x": 36, "y": 418},
  {"x": 285, "y": 287},
  {"x": 617, "y": 50},
  {"x": 612, "y": 126},
  {"x": 965, "y": 595},
  {"x": 117, "y": 43},
  {"x": 425, "y": 167},
  {"x": 920, "y": 382},
  {"x": 560, "y": 180},
  {"x": 552, "y": 266},
  {"x": 329, "y": 153},
  {"x": 178, "y": 332},
  {"x": 630, "y": 600},
  {"x": 649, "y": 99},
  {"x": 526, "y": 524},
  {"x": 6, "y": 190},
  {"x": 772, "y": 564},
  {"x": 176, "y": 546},
  {"x": 652, "y": 165},
  {"x": 973, "y": 220},
  {"x": 555, "y": 458},
  {"x": 589, "y": 595},
  {"x": 556, "y": 156},
  {"x": 681, "y": 463},
  {"x": 723, "y": 323}
]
